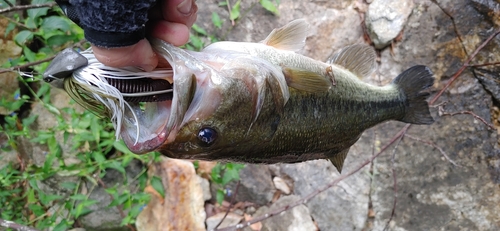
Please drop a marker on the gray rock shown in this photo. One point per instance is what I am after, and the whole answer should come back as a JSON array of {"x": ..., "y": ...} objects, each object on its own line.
[
  {"x": 7, "y": 156},
  {"x": 432, "y": 193},
  {"x": 295, "y": 219},
  {"x": 256, "y": 185},
  {"x": 230, "y": 220},
  {"x": 205, "y": 187},
  {"x": 103, "y": 217},
  {"x": 344, "y": 207},
  {"x": 385, "y": 19},
  {"x": 490, "y": 79}
]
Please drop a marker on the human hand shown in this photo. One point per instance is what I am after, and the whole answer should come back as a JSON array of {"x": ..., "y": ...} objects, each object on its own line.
[{"x": 170, "y": 21}]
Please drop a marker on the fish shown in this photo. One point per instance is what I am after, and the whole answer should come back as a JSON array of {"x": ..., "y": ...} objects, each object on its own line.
[{"x": 257, "y": 102}]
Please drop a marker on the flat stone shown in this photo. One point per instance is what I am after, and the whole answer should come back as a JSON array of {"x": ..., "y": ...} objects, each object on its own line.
[
  {"x": 183, "y": 205},
  {"x": 230, "y": 220},
  {"x": 295, "y": 219},
  {"x": 344, "y": 207},
  {"x": 205, "y": 187},
  {"x": 281, "y": 185},
  {"x": 256, "y": 184},
  {"x": 385, "y": 19}
]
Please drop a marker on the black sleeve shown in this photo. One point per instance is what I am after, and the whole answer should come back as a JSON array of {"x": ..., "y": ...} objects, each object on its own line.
[{"x": 108, "y": 23}]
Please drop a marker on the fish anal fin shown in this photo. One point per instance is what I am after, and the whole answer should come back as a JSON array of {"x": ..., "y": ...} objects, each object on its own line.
[
  {"x": 305, "y": 80},
  {"x": 337, "y": 159},
  {"x": 359, "y": 59},
  {"x": 291, "y": 37}
]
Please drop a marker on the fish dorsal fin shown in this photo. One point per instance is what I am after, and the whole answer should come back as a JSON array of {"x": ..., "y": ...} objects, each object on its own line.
[
  {"x": 337, "y": 159},
  {"x": 291, "y": 37},
  {"x": 305, "y": 80},
  {"x": 358, "y": 59}
]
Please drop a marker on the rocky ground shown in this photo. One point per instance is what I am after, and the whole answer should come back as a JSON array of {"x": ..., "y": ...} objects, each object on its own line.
[{"x": 440, "y": 177}]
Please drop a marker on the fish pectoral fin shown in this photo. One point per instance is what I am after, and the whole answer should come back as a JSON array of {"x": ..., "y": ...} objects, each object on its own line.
[
  {"x": 359, "y": 59},
  {"x": 337, "y": 159},
  {"x": 305, "y": 80},
  {"x": 291, "y": 37}
]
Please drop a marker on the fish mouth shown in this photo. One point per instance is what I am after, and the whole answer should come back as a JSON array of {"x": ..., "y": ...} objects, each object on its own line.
[
  {"x": 144, "y": 126},
  {"x": 148, "y": 125},
  {"x": 147, "y": 109}
]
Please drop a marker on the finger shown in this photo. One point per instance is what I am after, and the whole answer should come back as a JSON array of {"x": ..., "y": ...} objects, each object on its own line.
[
  {"x": 180, "y": 11},
  {"x": 139, "y": 55},
  {"x": 175, "y": 33}
]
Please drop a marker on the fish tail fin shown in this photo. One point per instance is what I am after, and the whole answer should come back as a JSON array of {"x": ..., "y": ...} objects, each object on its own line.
[{"x": 412, "y": 83}]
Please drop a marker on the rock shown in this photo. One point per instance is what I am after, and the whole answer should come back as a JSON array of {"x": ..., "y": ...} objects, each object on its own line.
[
  {"x": 205, "y": 187},
  {"x": 47, "y": 121},
  {"x": 432, "y": 193},
  {"x": 295, "y": 219},
  {"x": 230, "y": 220},
  {"x": 385, "y": 19},
  {"x": 8, "y": 50},
  {"x": 344, "y": 207},
  {"x": 183, "y": 205},
  {"x": 490, "y": 79},
  {"x": 256, "y": 185},
  {"x": 281, "y": 185},
  {"x": 103, "y": 217},
  {"x": 7, "y": 155}
]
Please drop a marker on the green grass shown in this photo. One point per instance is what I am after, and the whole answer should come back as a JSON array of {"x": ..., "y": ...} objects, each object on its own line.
[{"x": 25, "y": 193}]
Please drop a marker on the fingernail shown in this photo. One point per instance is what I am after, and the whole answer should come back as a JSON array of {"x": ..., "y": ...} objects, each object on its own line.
[{"x": 185, "y": 7}]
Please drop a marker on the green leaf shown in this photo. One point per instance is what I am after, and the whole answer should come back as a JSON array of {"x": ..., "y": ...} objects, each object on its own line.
[
  {"x": 37, "y": 12},
  {"x": 96, "y": 131},
  {"x": 215, "y": 174},
  {"x": 62, "y": 226},
  {"x": 30, "y": 55},
  {"x": 126, "y": 160},
  {"x": 216, "y": 20},
  {"x": 98, "y": 157},
  {"x": 115, "y": 165},
  {"x": 55, "y": 23},
  {"x": 30, "y": 23},
  {"x": 23, "y": 36},
  {"x": 45, "y": 199},
  {"x": 199, "y": 30},
  {"x": 157, "y": 184},
  {"x": 58, "y": 40},
  {"x": 120, "y": 146},
  {"x": 78, "y": 197},
  {"x": 68, "y": 185},
  {"x": 235, "y": 11},
  {"x": 219, "y": 196},
  {"x": 10, "y": 27},
  {"x": 269, "y": 6},
  {"x": 44, "y": 88}
]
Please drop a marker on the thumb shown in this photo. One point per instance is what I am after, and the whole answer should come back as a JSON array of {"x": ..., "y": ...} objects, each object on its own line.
[{"x": 139, "y": 55}]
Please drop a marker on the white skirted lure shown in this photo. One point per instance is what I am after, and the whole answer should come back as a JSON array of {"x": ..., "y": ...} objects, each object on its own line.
[{"x": 86, "y": 81}]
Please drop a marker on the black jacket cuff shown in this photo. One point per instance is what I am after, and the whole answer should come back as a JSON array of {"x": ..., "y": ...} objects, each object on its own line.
[{"x": 113, "y": 39}]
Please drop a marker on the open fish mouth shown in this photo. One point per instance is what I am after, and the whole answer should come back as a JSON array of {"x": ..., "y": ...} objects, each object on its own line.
[
  {"x": 137, "y": 102},
  {"x": 146, "y": 108}
]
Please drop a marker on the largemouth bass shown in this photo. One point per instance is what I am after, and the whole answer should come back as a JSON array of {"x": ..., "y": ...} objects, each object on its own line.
[{"x": 256, "y": 102}]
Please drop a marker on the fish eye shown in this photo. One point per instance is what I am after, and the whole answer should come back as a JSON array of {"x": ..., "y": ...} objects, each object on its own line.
[{"x": 207, "y": 136}]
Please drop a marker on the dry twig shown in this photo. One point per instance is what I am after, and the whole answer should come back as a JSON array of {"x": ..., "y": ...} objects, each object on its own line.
[
  {"x": 15, "y": 226},
  {"x": 26, "y": 7}
]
